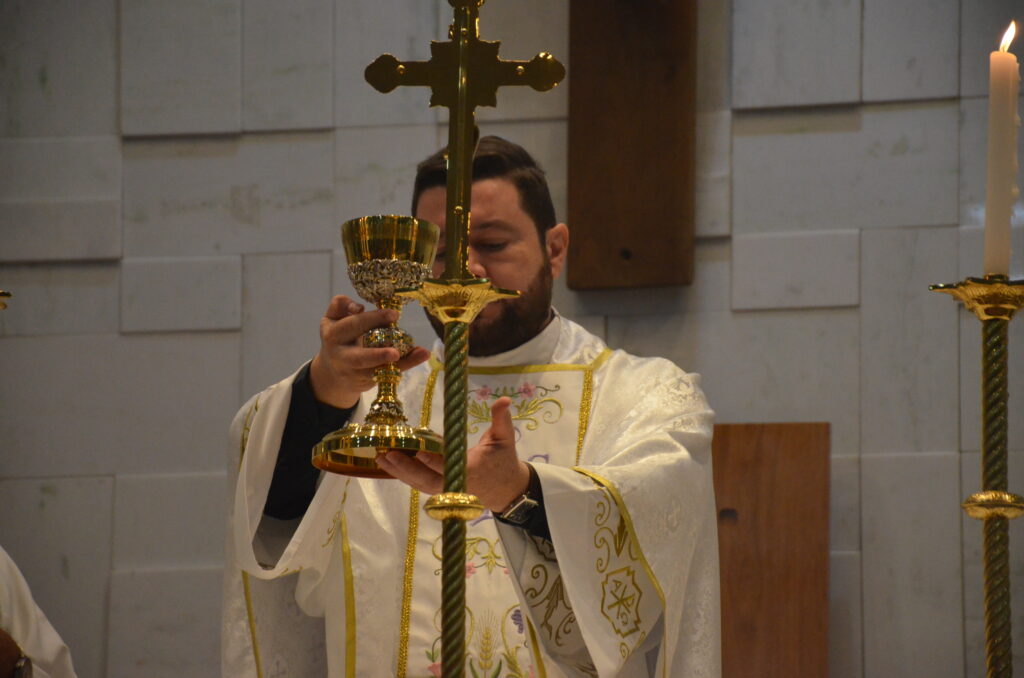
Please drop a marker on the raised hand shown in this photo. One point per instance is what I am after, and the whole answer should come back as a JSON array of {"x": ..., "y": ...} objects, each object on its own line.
[
  {"x": 494, "y": 473},
  {"x": 343, "y": 368}
]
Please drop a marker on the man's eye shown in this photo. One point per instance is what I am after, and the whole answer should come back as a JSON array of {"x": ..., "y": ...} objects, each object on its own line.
[{"x": 496, "y": 246}]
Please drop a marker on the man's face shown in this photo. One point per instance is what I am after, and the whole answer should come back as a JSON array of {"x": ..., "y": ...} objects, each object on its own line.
[{"x": 505, "y": 247}]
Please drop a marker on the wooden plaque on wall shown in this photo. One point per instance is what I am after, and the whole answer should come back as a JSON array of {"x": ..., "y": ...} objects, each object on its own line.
[
  {"x": 632, "y": 139},
  {"x": 772, "y": 492}
]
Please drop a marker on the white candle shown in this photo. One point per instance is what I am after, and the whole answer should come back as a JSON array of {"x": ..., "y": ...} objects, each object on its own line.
[{"x": 1002, "y": 191}]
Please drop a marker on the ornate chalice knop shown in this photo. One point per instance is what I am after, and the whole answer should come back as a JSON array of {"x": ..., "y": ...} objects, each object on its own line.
[{"x": 386, "y": 254}]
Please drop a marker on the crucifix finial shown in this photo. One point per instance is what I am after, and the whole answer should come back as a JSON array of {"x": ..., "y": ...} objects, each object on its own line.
[{"x": 463, "y": 73}]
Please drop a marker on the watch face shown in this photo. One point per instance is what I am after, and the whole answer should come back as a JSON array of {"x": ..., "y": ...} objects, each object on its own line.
[
  {"x": 520, "y": 511},
  {"x": 23, "y": 669}
]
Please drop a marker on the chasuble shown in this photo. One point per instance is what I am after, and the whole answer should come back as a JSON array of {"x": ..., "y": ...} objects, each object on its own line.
[{"x": 627, "y": 586}]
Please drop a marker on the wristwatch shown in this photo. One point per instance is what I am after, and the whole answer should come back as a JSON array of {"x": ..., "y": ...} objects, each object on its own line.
[
  {"x": 519, "y": 511},
  {"x": 23, "y": 667}
]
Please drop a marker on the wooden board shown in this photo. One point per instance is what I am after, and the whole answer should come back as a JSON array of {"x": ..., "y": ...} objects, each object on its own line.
[
  {"x": 771, "y": 485},
  {"x": 632, "y": 140}
]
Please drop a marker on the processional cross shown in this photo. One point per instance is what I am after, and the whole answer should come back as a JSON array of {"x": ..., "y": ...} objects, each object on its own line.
[{"x": 463, "y": 73}]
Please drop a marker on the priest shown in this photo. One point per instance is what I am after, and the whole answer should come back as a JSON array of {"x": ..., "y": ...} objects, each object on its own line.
[{"x": 598, "y": 553}]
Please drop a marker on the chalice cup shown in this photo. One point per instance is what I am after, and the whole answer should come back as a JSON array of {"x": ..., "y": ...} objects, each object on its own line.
[{"x": 386, "y": 254}]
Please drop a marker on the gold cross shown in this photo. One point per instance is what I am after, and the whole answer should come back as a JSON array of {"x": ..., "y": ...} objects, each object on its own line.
[
  {"x": 487, "y": 71},
  {"x": 463, "y": 73}
]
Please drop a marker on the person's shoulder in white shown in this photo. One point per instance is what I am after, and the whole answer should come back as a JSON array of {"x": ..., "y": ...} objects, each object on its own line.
[{"x": 23, "y": 621}]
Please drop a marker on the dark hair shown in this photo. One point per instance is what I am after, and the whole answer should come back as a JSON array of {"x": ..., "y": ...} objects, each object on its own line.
[{"x": 496, "y": 158}]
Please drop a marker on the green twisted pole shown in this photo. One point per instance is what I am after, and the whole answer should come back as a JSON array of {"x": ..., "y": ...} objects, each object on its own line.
[
  {"x": 453, "y": 530},
  {"x": 998, "y": 638},
  {"x": 461, "y": 145}
]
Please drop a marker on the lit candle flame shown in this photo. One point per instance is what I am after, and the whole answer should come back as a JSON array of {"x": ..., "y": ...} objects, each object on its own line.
[{"x": 1004, "y": 46}]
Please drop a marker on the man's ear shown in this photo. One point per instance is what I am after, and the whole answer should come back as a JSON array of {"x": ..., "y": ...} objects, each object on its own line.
[{"x": 557, "y": 244}]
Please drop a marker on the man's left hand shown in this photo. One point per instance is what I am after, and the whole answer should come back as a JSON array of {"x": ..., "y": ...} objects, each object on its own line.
[{"x": 493, "y": 471}]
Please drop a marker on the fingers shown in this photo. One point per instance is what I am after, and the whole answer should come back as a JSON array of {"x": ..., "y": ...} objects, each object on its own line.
[
  {"x": 411, "y": 471},
  {"x": 364, "y": 322},
  {"x": 501, "y": 420},
  {"x": 344, "y": 322},
  {"x": 348, "y": 328},
  {"x": 343, "y": 368},
  {"x": 416, "y": 356},
  {"x": 435, "y": 462},
  {"x": 342, "y": 306},
  {"x": 369, "y": 358}
]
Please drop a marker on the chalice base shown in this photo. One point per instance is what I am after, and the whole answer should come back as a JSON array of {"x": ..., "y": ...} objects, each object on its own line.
[{"x": 353, "y": 450}]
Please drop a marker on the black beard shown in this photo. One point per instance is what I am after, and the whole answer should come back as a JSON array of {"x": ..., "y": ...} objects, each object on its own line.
[{"x": 518, "y": 320}]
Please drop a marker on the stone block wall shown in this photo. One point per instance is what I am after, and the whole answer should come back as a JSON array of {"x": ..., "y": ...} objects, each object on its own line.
[{"x": 172, "y": 176}]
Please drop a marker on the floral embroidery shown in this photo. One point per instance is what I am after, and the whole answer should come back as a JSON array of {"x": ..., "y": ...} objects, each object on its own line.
[
  {"x": 488, "y": 552},
  {"x": 496, "y": 645},
  {"x": 489, "y": 652},
  {"x": 531, "y": 404}
]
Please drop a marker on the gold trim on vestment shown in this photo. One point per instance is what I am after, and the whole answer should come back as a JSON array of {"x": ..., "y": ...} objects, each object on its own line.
[
  {"x": 426, "y": 409},
  {"x": 428, "y": 395},
  {"x": 246, "y": 427},
  {"x": 350, "y": 600},
  {"x": 530, "y": 369},
  {"x": 252, "y": 624},
  {"x": 535, "y": 648},
  {"x": 585, "y": 398},
  {"x": 614, "y": 492},
  {"x": 410, "y": 561}
]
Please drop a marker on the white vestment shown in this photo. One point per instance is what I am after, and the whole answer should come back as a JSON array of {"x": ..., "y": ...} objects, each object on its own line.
[
  {"x": 29, "y": 627},
  {"x": 622, "y": 448}
]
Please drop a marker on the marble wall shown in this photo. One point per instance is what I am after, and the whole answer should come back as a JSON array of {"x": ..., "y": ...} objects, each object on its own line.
[{"x": 171, "y": 180}]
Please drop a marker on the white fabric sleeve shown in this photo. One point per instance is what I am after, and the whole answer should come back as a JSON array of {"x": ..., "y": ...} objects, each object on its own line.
[
  {"x": 28, "y": 626},
  {"x": 625, "y": 526},
  {"x": 263, "y": 630}
]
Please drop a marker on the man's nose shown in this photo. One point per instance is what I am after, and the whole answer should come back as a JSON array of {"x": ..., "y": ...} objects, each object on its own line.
[{"x": 475, "y": 267}]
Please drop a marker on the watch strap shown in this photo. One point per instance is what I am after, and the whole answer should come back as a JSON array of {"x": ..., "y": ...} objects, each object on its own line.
[{"x": 518, "y": 513}]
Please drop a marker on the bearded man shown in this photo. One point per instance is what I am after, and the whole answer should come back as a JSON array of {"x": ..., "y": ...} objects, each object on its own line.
[{"x": 598, "y": 553}]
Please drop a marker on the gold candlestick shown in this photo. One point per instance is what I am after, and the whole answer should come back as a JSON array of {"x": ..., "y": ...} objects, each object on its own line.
[{"x": 994, "y": 299}]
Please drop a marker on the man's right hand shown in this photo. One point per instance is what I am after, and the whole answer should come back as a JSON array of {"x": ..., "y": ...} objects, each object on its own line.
[{"x": 343, "y": 369}]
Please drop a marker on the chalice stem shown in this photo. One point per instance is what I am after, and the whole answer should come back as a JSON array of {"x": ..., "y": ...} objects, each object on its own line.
[
  {"x": 453, "y": 530},
  {"x": 998, "y": 638},
  {"x": 386, "y": 408}
]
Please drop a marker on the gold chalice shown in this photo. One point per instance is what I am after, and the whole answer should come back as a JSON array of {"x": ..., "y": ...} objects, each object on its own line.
[{"x": 385, "y": 254}]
